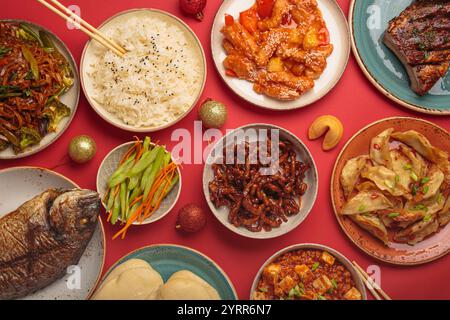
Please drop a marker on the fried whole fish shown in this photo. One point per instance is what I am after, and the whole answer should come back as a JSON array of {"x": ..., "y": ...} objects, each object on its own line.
[{"x": 43, "y": 237}]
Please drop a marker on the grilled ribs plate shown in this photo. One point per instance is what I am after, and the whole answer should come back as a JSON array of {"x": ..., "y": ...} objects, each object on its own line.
[{"x": 420, "y": 38}]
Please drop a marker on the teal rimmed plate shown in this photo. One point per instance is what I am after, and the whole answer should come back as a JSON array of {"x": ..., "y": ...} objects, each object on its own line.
[
  {"x": 368, "y": 21},
  {"x": 169, "y": 258}
]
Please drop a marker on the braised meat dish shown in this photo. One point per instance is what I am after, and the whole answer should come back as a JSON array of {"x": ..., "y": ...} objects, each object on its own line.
[
  {"x": 420, "y": 38},
  {"x": 281, "y": 46},
  {"x": 258, "y": 201}
]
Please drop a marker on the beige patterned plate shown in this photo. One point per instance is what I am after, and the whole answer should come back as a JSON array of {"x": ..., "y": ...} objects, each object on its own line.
[
  {"x": 433, "y": 247},
  {"x": 20, "y": 184},
  {"x": 109, "y": 166}
]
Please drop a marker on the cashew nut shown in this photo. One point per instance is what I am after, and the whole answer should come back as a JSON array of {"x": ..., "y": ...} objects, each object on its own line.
[{"x": 330, "y": 126}]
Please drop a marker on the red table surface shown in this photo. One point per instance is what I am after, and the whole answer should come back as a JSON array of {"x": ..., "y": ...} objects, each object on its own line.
[{"x": 354, "y": 100}]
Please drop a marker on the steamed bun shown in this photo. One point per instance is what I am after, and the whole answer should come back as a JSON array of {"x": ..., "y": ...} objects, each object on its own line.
[
  {"x": 185, "y": 285},
  {"x": 134, "y": 279}
]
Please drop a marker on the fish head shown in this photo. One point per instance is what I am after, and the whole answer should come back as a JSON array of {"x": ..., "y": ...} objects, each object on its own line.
[{"x": 75, "y": 212}]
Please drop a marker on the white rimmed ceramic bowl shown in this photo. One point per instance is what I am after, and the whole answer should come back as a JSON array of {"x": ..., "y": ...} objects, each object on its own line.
[
  {"x": 115, "y": 22},
  {"x": 308, "y": 199},
  {"x": 70, "y": 98},
  {"x": 110, "y": 164},
  {"x": 305, "y": 246},
  {"x": 20, "y": 184},
  {"x": 337, "y": 62}
]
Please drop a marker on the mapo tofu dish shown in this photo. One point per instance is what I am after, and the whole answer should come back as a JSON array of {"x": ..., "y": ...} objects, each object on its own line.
[
  {"x": 400, "y": 191},
  {"x": 281, "y": 46},
  {"x": 306, "y": 275}
]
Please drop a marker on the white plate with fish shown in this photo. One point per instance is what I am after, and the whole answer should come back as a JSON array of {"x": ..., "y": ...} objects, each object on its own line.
[
  {"x": 44, "y": 47},
  {"x": 334, "y": 23},
  {"x": 160, "y": 78},
  {"x": 20, "y": 184}
]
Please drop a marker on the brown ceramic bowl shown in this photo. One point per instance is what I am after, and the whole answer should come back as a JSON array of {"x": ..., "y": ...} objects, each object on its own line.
[{"x": 433, "y": 247}]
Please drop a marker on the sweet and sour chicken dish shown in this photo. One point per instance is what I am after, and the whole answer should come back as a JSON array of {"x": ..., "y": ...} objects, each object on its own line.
[
  {"x": 281, "y": 46},
  {"x": 306, "y": 275}
]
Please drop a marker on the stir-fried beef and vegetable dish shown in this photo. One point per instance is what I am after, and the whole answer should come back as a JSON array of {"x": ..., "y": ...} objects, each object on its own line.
[{"x": 33, "y": 76}]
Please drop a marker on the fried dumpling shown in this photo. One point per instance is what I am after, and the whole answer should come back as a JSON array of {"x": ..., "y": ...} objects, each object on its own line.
[
  {"x": 400, "y": 165},
  {"x": 418, "y": 231},
  {"x": 444, "y": 214},
  {"x": 366, "y": 186},
  {"x": 385, "y": 179},
  {"x": 417, "y": 164},
  {"x": 421, "y": 144},
  {"x": 366, "y": 201},
  {"x": 372, "y": 223},
  {"x": 400, "y": 218},
  {"x": 435, "y": 178},
  {"x": 379, "y": 148},
  {"x": 351, "y": 172}
]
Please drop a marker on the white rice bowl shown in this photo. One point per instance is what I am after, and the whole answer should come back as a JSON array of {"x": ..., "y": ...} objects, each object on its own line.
[{"x": 159, "y": 79}]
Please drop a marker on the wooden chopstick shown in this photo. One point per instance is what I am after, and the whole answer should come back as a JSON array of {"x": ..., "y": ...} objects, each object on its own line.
[
  {"x": 89, "y": 33},
  {"x": 88, "y": 26},
  {"x": 371, "y": 289},
  {"x": 370, "y": 284}
]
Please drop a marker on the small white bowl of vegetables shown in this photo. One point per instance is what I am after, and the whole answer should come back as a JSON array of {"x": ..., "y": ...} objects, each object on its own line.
[{"x": 139, "y": 183}]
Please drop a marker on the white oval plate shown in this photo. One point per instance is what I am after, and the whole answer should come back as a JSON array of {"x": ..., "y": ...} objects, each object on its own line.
[
  {"x": 20, "y": 184},
  {"x": 70, "y": 98},
  {"x": 308, "y": 199},
  {"x": 339, "y": 256},
  {"x": 88, "y": 56},
  {"x": 109, "y": 166},
  {"x": 337, "y": 62}
]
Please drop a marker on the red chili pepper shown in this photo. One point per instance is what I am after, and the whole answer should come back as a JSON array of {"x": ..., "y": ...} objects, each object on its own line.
[
  {"x": 374, "y": 196},
  {"x": 3, "y": 62},
  {"x": 230, "y": 73},
  {"x": 324, "y": 36},
  {"x": 229, "y": 20},
  {"x": 265, "y": 8},
  {"x": 377, "y": 146},
  {"x": 249, "y": 19}
]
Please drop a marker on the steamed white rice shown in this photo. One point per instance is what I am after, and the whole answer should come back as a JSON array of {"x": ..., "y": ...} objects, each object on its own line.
[{"x": 157, "y": 81}]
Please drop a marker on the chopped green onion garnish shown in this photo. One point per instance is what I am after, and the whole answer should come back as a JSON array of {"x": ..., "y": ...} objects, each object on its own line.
[
  {"x": 335, "y": 285},
  {"x": 414, "y": 190},
  {"x": 320, "y": 297},
  {"x": 361, "y": 208},
  {"x": 427, "y": 218},
  {"x": 397, "y": 178},
  {"x": 414, "y": 176},
  {"x": 426, "y": 189},
  {"x": 292, "y": 293},
  {"x": 315, "y": 266},
  {"x": 393, "y": 215},
  {"x": 420, "y": 207},
  {"x": 425, "y": 180},
  {"x": 407, "y": 166},
  {"x": 263, "y": 289},
  {"x": 440, "y": 198}
]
